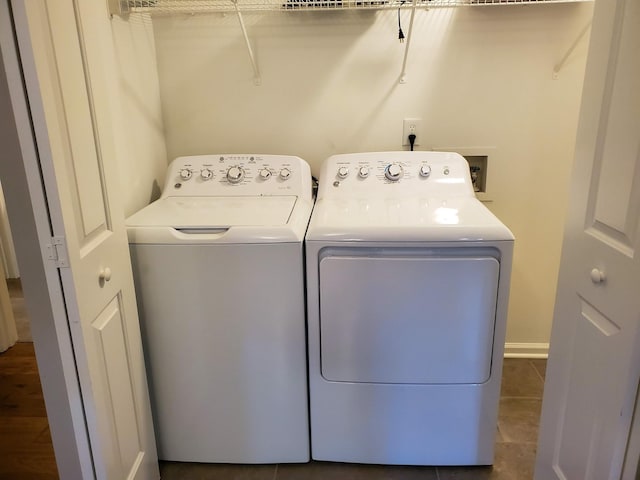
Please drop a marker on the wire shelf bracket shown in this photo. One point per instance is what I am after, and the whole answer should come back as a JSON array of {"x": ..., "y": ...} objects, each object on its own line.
[
  {"x": 403, "y": 72},
  {"x": 558, "y": 66},
  {"x": 256, "y": 72}
]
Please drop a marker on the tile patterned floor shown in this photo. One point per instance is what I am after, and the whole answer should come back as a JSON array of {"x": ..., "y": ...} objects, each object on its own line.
[{"x": 520, "y": 403}]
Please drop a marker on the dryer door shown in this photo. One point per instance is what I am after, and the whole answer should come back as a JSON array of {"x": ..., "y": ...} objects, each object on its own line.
[{"x": 407, "y": 319}]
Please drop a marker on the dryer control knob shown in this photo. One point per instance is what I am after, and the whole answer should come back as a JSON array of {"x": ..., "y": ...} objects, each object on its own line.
[
  {"x": 235, "y": 174},
  {"x": 285, "y": 173},
  {"x": 206, "y": 174},
  {"x": 393, "y": 172},
  {"x": 363, "y": 172},
  {"x": 343, "y": 172},
  {"x": 265, "y": 173},
  {"x": 425, "y": 170},
  {"x": 185, "y": 174}
]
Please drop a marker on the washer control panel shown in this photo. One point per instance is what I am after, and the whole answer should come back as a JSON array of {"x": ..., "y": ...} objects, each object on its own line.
[
  {"x": 395, "y": 174},
  {"x": 238, "y": 175}
]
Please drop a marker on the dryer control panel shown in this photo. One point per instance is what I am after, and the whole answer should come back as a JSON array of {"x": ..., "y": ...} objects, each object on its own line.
[
  {"x": 395, "y": 174},
  {"x": 238, "y": 175}
]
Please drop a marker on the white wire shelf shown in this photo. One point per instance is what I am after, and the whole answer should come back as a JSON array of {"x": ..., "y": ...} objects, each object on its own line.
[
  {"x": 169, "y": 7},
  {"x": 175, "y": 7}
]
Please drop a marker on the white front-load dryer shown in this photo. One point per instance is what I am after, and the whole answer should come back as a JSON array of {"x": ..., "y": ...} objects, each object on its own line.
[
  {"x": 219, "y": 276},
  {"x": 407, "y": 288}
]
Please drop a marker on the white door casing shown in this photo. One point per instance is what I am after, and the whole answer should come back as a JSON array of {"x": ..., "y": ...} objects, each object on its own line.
[
  {"x": 69, "y": 44},
  {"x": 594, "y": 360},
  {"x": 8, "y": 333},
  {"x": 7, "y": 248}
]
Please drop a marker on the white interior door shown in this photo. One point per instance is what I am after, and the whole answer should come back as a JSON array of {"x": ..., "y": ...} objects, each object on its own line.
[
  {"x": 594, "y": 361},
  {"x": 66, "y": 56}
]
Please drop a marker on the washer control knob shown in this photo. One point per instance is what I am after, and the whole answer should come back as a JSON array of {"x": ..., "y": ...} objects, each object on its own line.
[
  {"x": 343, "y": 172},
  {"x": 363, "y": 172},
  {"x": 393, "y": 172},
  {"x": 206, "y": 174},
  {"x": 185, "y": 174},
  {"x": 285, "y": 173},
  {"x": 235, "y": 174},
  {"x": 425, "y": 170},
  {"x": 265, "y": 174}
]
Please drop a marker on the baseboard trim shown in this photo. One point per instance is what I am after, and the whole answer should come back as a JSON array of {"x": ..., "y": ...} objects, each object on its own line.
[{"x": 526, "y": 350}]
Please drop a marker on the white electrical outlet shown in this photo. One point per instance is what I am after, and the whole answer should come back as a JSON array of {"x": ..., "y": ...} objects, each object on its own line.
[{"x": 409, "y": 126}]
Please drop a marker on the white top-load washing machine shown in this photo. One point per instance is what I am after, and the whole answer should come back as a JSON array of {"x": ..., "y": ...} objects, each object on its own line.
[
  {"x": 407, "y": 289},
  {"x": 219, "y": 276}
]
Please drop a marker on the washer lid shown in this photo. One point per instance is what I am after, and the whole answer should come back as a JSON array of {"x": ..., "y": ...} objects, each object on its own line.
[
  {"x": 220, "y": 220},
  {"x": 405, "y": 219},
  {"x": 215, "y": 212}
]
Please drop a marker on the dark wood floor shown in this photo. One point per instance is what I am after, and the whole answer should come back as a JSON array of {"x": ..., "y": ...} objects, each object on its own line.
[
  {"x": 26, "y": 452},
  {"x": 25, "y": 442}
]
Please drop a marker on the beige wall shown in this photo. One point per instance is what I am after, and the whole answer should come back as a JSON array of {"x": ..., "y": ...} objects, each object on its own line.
[
  {"x": 480, "y": 78},
  {"x": 138, "y": 128}
]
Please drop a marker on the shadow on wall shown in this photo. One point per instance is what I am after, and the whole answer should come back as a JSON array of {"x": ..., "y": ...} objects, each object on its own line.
[
  {"x": 156, "y": 191},
  {"x": 139, "y": 129},
  {"x": 329, "y": 80}
]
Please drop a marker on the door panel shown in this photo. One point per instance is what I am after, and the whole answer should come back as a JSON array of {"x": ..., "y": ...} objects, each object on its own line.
[
  {"x": 110, "y": 343},
  {"x": 416, "y": 320},
  {"x": 600, "y": 350},
  {"x": 614, "y": 199},
  {"x": 594, "y": 367},
  {"x": 618, "y": 181},
  {"x": 83, "y": 159},
  {"x": 69, "y": 46}
]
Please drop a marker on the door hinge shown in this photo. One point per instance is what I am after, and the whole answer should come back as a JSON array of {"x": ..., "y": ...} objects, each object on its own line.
[{"x": 57, "y": 252}]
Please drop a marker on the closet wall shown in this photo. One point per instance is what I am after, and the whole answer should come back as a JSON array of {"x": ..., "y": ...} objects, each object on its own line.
[
  {"x": 481, "y": 79},
  {"x": 138, "y": 125}
]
